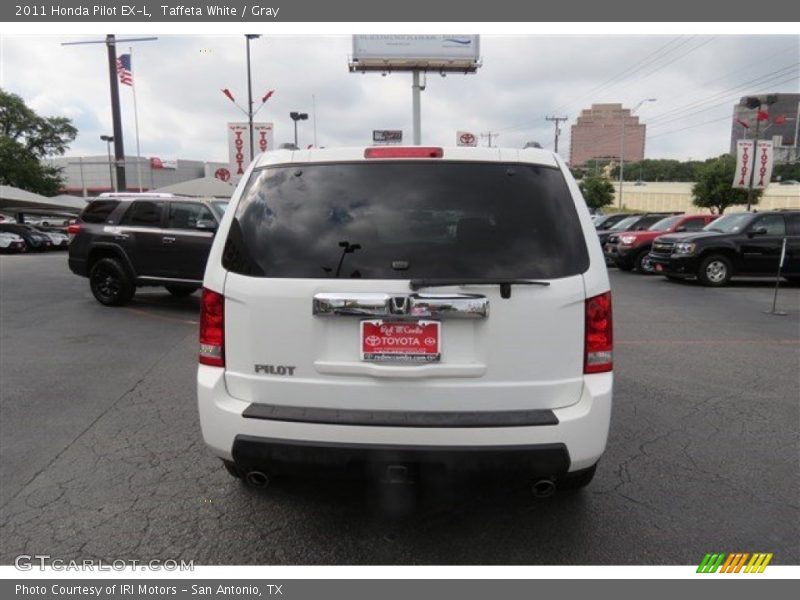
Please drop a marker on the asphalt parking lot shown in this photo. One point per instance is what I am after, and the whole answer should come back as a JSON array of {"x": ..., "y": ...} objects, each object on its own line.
[{"x": 102, "y": 455}]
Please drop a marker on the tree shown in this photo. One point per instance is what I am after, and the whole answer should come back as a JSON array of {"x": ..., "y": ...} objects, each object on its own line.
[
  {"x": 786, "y": 171},
  {"x": 714, "y": 188},
  {"x": 597, "y": 191},
  {"x": 26, "y": 139}
]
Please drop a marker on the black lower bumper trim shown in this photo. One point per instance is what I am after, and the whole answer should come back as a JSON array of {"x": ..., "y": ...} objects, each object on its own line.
[
  {"x": 257, "y": 453},
  {"x": 402, "y": 418}
]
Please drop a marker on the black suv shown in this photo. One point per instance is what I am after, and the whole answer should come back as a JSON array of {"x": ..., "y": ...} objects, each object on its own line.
[
  {"x": 735, "y": 244},
  {"x": 123, "y": 241}
]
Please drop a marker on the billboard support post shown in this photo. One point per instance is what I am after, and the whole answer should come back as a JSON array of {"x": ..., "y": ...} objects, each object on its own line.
[
  {"x": 418, "y": 54},
  {"x": 415, "y": 107}
]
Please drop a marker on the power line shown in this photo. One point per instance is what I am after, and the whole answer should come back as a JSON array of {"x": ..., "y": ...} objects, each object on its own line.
[
  {"x": 770, "y": 80},
  {"x": 650, "y": 60}
]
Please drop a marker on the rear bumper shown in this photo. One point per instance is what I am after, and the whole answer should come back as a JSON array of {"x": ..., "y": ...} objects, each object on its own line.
[
  {"x": 576, "y": 441},
  {"x": 255, "y": 453}
]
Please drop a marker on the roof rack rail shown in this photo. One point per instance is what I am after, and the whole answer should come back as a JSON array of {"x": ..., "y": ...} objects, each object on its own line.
[{"x": 136, "y": 195}]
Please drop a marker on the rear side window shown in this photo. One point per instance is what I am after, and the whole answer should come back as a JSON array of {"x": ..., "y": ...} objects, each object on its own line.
[
  {"x": 402, "y": 220},
  {"x": 99, "y": 211},
  {"x": 185, "y": 215},
  {"x": 144, "y": 213}
]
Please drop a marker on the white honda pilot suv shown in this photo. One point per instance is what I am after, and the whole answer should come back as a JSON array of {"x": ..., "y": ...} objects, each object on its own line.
[{"x": 402, "y": 308}]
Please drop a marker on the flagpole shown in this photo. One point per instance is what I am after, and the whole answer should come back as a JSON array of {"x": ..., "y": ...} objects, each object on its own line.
[{"x": 136, "y": 122}]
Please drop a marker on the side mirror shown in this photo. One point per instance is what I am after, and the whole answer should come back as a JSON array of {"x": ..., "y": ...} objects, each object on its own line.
[
  {"x": 206, "y": 225},
  {"x": 759, "y": 231}
]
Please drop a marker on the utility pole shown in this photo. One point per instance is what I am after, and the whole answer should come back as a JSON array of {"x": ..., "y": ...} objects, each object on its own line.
[
  {"x": 490, "y": 135},
  {"x": 556, "y": 120},
  {"x": 116, "y": 115}
]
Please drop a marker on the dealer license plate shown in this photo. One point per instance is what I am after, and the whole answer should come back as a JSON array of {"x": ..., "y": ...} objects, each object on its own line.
[{"x": 400, "y": 341}]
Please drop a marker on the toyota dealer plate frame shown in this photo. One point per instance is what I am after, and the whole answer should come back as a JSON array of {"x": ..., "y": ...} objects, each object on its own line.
[{"x": 400, "y": 341}]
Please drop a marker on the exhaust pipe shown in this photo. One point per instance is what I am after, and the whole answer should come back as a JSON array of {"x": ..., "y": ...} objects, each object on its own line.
[
  {"x": 544, "y": 488},
  {"x": 257, "y": 479}
]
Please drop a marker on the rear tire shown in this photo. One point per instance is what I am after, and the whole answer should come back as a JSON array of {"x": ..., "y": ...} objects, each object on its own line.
[
  {"x": 576, "y": 480},
  {"x": 181, "y": 291},
  {"x": 715, "y": 271},
  {"x": 110, "y": 282}
]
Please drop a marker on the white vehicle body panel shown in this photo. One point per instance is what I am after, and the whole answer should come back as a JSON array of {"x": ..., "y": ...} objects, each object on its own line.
[{"x": 527, "y": 354}]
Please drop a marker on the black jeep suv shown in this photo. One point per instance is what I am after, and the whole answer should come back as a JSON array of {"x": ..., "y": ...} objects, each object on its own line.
[
  {"x": 748, "y": 244},
  {"x": 123, "y": 241}
]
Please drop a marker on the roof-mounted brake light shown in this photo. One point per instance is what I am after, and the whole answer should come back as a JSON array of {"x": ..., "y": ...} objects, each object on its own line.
[{"x": 404, "y": 152}]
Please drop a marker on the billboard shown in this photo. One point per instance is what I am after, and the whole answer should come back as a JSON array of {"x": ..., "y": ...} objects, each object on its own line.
[
  {"x": 387, "y": 136},
  {"x": 159, "y": 163},
  {"x": 744, "y": 164},
  {"x": 460, "y": 53},
  {"x": 239, "y": 145}
]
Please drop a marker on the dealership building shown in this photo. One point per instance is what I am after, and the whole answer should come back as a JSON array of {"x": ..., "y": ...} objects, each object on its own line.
[{"x": 92, "y": 175}]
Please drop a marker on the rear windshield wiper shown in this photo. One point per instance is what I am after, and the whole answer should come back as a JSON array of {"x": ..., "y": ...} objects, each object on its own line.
[{"x": 505, "y": 284}]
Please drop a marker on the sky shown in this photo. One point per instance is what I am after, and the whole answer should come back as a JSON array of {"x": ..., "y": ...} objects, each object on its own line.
[{"x": 695, "y": 80}]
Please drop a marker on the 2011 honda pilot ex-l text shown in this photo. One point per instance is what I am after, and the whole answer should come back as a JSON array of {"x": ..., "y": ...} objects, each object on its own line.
[{"x": 399, "y": 308}]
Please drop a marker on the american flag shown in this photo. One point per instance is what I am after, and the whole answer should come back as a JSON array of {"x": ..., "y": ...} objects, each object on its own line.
[{"x": 124, "y": 69}]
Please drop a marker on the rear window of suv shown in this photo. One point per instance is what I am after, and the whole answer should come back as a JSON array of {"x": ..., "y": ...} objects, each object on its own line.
[
  {"x": 402, "y": 220},
  {"x": 99, "y": 211}
]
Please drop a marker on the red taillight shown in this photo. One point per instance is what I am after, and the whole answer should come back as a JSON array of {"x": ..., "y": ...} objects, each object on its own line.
[
  {"x": 599, "y": 341},
  {"x": 212, "y": 329},
  {"x": 73, "y": 228},
  {"x": 404, "y": 152}
]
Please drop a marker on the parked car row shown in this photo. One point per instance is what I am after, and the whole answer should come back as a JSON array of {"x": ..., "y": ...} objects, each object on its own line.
[
  {"x": 11, "y": 243},
  {"x": 34, "y": 238},
  {"x": 710, "y": 249}
]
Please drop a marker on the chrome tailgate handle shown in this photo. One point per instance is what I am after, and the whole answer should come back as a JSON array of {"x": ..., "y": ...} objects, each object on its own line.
[
  {"x": 411, "y": 306},
  {"x": 364, "y": 304}
]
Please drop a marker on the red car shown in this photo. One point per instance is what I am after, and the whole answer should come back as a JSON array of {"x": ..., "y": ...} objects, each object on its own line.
[{"x": 630, "y": 250}]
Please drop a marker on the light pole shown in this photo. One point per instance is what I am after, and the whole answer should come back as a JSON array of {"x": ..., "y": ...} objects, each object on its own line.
[
  {"x": 297, "y": 116},
  {"x": 622, "y": 147},
  {"x": 248, "y": 37},
  {"x": 108, "y": 139}
]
